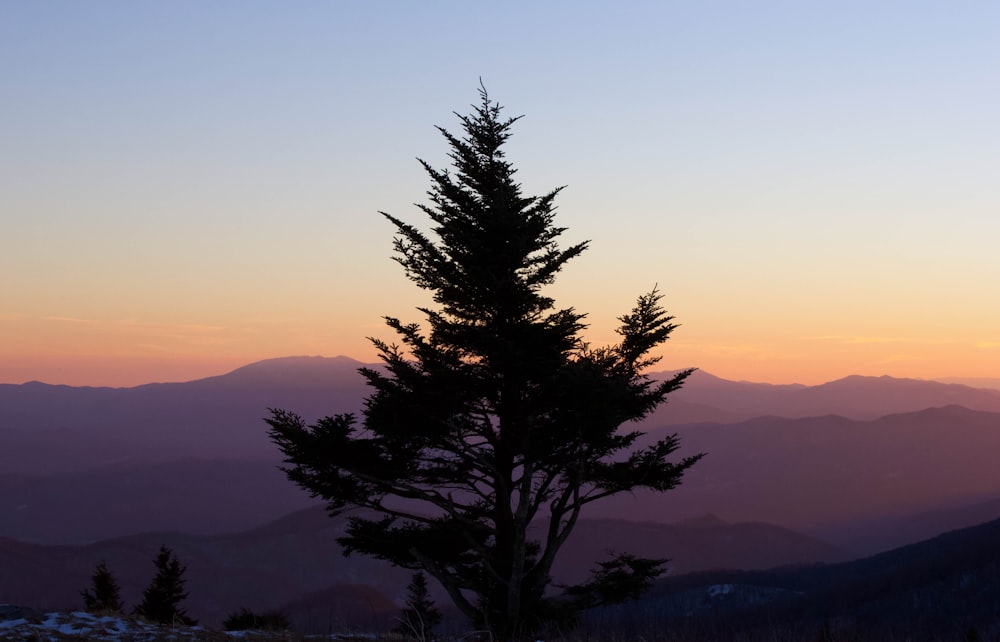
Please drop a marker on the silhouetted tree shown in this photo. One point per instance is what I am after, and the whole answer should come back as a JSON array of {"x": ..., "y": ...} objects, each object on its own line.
[
  {"x": 162, "y": 598},
  {"x": 420, "y": 615},
  {"x": 499, "y": 415},
  {"x": 624, "y": 577},
  {"x": 104, "y": 594}
]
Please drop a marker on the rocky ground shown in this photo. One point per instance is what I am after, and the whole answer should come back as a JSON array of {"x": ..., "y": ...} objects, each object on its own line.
[{"x": 19, "y": 624}]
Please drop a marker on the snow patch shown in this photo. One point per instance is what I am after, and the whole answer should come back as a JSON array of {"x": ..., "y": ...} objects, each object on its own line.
[
  {"x": 718, "y": 590},
  {"x": 52, "y": 627}
]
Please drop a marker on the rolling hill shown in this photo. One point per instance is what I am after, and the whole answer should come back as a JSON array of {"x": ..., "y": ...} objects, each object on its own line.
[
  {"x": 944, "y": 588},
  {"x": 292, "y": 560}
]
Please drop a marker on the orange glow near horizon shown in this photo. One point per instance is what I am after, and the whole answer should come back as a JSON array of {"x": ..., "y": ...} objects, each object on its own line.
[
  {"x": 125, "y": 353},
  {"x": 809, "y": 331}
]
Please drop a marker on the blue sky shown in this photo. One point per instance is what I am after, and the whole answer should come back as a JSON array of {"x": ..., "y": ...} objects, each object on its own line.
[{"x": 195, "y": 184}]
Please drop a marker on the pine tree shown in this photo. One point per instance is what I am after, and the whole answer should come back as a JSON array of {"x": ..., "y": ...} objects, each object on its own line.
[
  {"x": 105, "y": 594},
  {"x": 498, "y": 415},
  {"x": 161, "y": 599},
  {"x": 420, "y": 615}
]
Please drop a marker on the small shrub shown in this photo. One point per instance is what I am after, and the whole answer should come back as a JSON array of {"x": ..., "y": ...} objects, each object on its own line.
[{"x": 247, "y": 620}]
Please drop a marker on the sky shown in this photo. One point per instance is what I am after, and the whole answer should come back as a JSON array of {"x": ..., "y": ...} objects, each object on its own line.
[{"x": 187, "y": 187}]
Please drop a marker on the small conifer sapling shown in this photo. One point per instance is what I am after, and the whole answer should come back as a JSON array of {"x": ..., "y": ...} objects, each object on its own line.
[
  {"x": 420, "y": 615},
  {"x": 104, "y": 594},
  {"x": 162, "y": 598}
]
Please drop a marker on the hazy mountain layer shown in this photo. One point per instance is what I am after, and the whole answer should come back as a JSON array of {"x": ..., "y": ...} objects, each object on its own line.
[
  {"x": 815, "y": 472},
  {"x": 54, "y": 429},
  {"x": 79, "y": 464},
  {"x": 288, "y": 561}
]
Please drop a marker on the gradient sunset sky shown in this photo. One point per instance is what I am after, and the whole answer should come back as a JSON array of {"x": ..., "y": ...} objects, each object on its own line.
[{"x": 190, "y": 186}]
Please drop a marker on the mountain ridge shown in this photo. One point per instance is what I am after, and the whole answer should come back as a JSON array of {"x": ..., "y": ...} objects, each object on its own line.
[
  {"x": 48, "y": 432},
  {"x": 288, "y": 559},
  {"x": 348, "y": 361},
  {"x": 941, "y": 588}
]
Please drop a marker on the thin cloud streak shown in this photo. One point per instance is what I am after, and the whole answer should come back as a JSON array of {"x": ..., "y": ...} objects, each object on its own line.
[
  {"x": 862, "y": 340},
  {"x": 68, "y": 320}
]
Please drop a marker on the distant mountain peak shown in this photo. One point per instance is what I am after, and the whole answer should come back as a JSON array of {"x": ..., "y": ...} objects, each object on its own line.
[
  {"x": 296, "y": 361},
  {"x": 299, "y": 371},
  {"x": 708, "y": 520}
]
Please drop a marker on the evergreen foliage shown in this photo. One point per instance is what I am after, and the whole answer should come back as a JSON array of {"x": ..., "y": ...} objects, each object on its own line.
[
  {"x": 162, "y": 598},
  {"x": 420, "y": 615},
  {"x": 104, "y": 595},
  {"x": 498, "y": 415}
]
